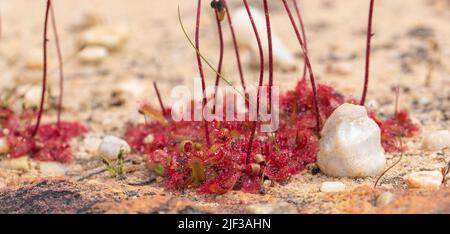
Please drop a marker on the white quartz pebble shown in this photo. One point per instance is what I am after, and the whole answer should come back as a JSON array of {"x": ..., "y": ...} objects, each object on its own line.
[
  {"x": 424, "y": 179},
  {"x": 332, "y": 187},
  {"x": 351, "y": 144},
  {"x": 93, "y": 54},
  {"x": 4, "y": 148},
  {"x": 111, "y": 146},
  {"x": 437, "y": 140},
  {"x": 111, "y": 37},
  {"x": 52, "y": 168}
]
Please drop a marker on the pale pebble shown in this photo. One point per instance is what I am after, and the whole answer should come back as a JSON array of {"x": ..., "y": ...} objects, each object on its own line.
[
  {"x": 111, "y": 146},
  {"x": 4, "y": 148},
  {"x": 332, "y": 187},
  {"x": 93, "y": 54},
  {"x": 20, "y": 164},
  {"x": 384, "y": 199},
  {"x": 52, "y": 168},
  {"x": 351, "y": 144},
  {"x": 424, "y": 179},
  {"x": 437, "y": 140}
]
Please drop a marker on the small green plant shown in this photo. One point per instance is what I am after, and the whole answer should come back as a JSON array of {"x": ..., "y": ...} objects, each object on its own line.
[{"x": 115, "y": 167}]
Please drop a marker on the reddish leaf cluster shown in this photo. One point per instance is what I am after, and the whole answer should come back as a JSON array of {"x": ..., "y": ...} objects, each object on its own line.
[
  {"x": 399, "y": 125},
  {"x": 177, "y": 150},
  {"x": 50, "y": 142}
]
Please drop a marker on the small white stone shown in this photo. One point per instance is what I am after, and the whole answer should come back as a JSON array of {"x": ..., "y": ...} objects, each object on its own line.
[
  {"x": 111, "y": 37},
  {"x": 52, "y": 168},
  {"x": 271, "y": 208},
  {"x": 351, "y": 144},
  {"x": 437, "y": 140},
  {"x": 93, "y": 54},
  {"x": 130, "y": 89},
  {"x": 384, "y": 199},
  {"x": 424, "y": 179},
  {"x": 4, "y": 148},
  {"x": 86, "y": 20},
  {"x": 111, "y": 146},
  {"x": 19, "y": 164},
  {"x": 332, "y": 187},
  {"x": 32, "y": 97}
]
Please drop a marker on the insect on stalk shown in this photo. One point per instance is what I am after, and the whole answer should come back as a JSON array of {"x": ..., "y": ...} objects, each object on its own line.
[
  {"x": 261, "y": 78},
  {"x": 302, "y": 27},
  {"x": 161, "y": 104},
  {"x": 368, "y": 46},
  {"x": 60, "y": 63},
  {"x": 236, "y": 46},
  {"x": 44, "y": 78},
  {"x": 308, "y": 64},
  {"x": 200, "y": 67},
  {"x": 219, "y": 11}
]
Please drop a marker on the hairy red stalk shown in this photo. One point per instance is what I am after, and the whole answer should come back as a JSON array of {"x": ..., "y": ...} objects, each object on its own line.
[
  {"x": 200, "y": 67},
  {"x": 369, "y": 40},
  {"x": 269, "y": 40},
  {"x": 302, "y": 27},
  {"x": 219, "y": 66},
  {"x": 236, "y": 46},
  {"x": 44, "y": 78},
  {"x": 397, "y": 97},
  {"x": 308, "y": 64},
  {"x": 60, "y": 64},
  {"x": 161, "y": 104},
  {"x": 261, "y": 77}
]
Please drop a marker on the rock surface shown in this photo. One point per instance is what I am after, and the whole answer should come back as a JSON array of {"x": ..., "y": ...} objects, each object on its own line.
[
  {"x": 424, "y": 179},
  {"x": 351, "y": 144}
]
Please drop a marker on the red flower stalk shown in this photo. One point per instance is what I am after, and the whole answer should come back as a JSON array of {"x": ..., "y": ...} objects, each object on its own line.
[
  {"x": 261, "y": 77},
  {"x": 308, "y": 64},
  {"x": 236, "y": 46},
  {"x": 302, "y": 27},
  {"x": 219, "y": 66},
  {"x": 269, "y": 40},
  {"x": 368, "y": 43},
  {"x": 44, "y": 79},
  {"x": 61, "y": 64},
  {"x": 200, "y": 67},
  {"x": 161, "y": 104}
]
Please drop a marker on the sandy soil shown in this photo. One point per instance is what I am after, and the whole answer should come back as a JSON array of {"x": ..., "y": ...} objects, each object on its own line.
[{"x": 105, "y": 96}]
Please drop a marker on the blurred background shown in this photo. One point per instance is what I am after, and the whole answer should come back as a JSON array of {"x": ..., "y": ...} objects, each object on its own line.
[{"x": 411, "y": 44}]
